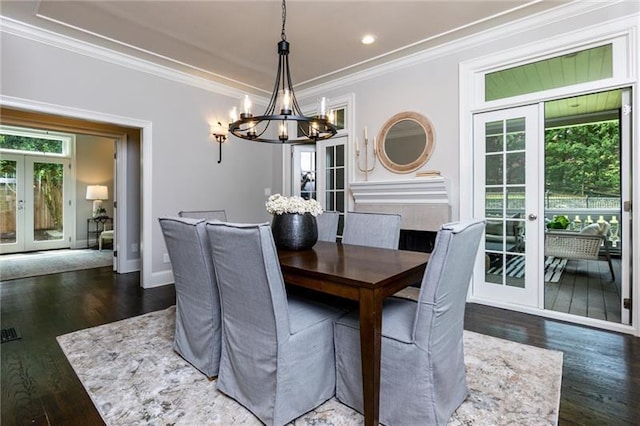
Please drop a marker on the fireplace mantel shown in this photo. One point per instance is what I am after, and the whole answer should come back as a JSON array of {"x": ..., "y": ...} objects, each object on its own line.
[{"x": 422, "y": 202}]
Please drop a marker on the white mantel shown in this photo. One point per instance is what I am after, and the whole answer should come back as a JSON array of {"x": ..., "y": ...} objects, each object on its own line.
[{"x": 422, "y": 202}]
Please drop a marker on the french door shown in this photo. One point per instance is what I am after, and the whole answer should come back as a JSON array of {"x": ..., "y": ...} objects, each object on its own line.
[
  {"x": 34, "y": 209},
  {"x": 528, "y": 162},
  {"x": 507, "y": 164}
]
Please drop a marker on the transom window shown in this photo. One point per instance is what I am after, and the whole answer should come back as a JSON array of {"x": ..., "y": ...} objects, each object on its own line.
[
  {"x": 31, "y": 141},
  {"x": 565, "y": 70}
]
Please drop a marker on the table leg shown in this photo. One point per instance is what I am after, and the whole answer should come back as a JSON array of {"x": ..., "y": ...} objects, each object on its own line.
[{"x": 370, "y": 346}]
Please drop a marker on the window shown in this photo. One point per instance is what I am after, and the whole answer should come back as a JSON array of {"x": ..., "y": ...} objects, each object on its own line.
[
  {"x": 565, "y": 70},
  {"x": 30, "y": 141}
]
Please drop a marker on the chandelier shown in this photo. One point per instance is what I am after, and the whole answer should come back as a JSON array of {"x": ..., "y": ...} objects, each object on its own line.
[{"x": 283, "y": 99}]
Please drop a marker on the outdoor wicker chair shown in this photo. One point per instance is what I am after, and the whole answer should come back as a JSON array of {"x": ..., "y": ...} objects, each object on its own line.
[{"x": 574, "y": 245}]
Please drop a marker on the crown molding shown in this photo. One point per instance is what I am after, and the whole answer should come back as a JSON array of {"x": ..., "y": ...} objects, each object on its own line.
[
  {"x": 50, "y": 38},
  {"x": 34, "y": 33},
  {"x": 507, "y": 30}
]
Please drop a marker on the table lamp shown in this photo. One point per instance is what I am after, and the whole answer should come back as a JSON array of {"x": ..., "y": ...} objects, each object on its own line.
[{"x": 97, "y": 193}]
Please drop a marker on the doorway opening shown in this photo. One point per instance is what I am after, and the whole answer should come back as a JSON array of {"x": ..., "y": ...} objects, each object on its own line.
[{"x": 583, "y": 193}]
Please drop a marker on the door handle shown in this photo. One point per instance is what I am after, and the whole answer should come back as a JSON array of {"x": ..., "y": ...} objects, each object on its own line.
[
  {"x": 532, "y": 216},
  {"x": 20, "y": 204}
]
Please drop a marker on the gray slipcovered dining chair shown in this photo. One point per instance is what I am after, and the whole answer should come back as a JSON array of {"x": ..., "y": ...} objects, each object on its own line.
[
  {"x": 422, "y": 373},
  {"x": 372, "y": 229},
  {"x": 328, "y": 226},
  {"x": 198, "y": 320},
  {"x": 277, "y": 355},
  {"x": 205, "y": 214}
]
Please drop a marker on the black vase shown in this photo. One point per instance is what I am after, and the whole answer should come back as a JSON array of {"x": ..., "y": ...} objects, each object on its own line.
[{"x": 293, "y": 231}]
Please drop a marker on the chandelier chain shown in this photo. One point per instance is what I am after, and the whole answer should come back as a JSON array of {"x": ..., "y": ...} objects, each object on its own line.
[{"x": 284, "y": 20}]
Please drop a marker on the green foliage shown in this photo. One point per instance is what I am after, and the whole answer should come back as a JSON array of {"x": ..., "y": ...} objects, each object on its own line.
[
  {"x": 47, "y": 177},
  {"x": 22, "y": 143},
  {"x": 583, "y": 160},
  {"x": 558, "y": 222}
]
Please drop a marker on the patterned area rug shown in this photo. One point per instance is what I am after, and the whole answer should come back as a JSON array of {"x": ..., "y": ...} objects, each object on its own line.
[
  {"x": 22, "y": 265},
  {"x": 133, "y": 376},
  {"x": 553, "y": 268}
]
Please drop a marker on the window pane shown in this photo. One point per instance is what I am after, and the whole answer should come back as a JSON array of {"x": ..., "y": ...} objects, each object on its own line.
[
  {"x": 330, "y": 157},
  {"x": 515, "y": 168},
  {"x": 566, "y": 70},
  {"x": 8, "y": 190},
  {"x": 21, "y": 143},
  {"x": 340, "y": 201},
  {"x": 47, "y": 197},
  {"x": 494, "y": 169},
  {"x": 339, "y": 118},
  {"x": 340, "y": 178},
  {"x": 493, "y": 136},
  {"x": 339, "y": 155}
]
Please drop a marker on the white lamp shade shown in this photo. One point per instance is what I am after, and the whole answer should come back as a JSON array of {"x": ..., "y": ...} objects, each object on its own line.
[{"x": 97, "y": 192}]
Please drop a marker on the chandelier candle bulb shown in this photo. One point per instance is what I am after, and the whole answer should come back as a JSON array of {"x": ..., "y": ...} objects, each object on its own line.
[
  {"x": 286, "y": 102},
  {"x": 251, "y": 129},
  {"x": 283, "y": 132},
  {"x": 246, "y": 107},
  {"x": 233, "y": 114},
  {"x": 322, "y": 107}
]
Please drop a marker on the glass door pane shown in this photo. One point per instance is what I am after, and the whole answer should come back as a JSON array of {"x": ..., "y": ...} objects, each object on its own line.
[
  {"x": 10, "y": 202},
  {"x": 506, "y": 158},
  {"x": 47, "y": 201}
]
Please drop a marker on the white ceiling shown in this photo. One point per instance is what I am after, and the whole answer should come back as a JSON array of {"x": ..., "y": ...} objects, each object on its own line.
[{"x": 234, "y": 42}]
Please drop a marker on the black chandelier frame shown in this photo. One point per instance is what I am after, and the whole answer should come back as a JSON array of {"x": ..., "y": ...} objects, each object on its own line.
[{"x": 313, "y": 129}]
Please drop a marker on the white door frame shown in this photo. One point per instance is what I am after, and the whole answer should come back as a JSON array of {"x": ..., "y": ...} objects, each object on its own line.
[{"x": 622, "y": 33}]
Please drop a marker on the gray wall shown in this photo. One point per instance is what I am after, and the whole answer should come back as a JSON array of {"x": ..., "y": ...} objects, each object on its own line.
[{"x": 94, "y": 166}]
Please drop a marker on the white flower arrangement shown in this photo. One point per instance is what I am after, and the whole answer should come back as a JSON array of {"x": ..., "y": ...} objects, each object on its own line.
[{"x": 277, "y": 204}]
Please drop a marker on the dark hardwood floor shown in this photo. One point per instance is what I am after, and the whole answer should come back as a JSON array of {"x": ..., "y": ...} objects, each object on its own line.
[{"x": 601, "y": 372}]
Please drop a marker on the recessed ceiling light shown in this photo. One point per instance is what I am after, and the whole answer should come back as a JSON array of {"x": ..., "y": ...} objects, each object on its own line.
[{"x": 368, "y": 39}]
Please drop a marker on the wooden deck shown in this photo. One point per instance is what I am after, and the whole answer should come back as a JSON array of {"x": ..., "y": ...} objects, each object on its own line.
[{"x": 586, "y": 289}]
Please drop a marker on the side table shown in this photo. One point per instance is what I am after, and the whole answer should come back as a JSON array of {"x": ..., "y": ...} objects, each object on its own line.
[{"x": 95, "y": 226}]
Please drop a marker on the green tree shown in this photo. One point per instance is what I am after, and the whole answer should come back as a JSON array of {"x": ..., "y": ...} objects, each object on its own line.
[{"x": 583, "y": 160}]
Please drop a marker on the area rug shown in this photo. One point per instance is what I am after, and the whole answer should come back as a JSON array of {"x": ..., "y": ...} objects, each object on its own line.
[
  {"x": 22, "y": 265},
  {"x": 134, "y": 377},
  {"x": 553, "y": 268}
]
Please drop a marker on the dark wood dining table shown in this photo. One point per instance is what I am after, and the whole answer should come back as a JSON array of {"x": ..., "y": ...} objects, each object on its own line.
[{"x": 366, "y": 275}]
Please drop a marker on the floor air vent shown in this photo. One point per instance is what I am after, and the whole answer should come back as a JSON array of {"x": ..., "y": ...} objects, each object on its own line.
[{"x": 9, "y": 334}]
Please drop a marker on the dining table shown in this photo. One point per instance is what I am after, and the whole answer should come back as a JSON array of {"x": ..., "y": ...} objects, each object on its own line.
[{"x": 363, "y": 274}]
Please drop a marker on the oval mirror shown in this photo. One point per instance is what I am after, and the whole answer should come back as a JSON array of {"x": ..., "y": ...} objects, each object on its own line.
[{"x": 405, "y": 142}]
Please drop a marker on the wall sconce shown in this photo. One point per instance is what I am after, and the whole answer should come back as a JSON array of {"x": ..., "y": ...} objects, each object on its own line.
[
  {"x": 97, "y": 193},
  {"x": 220, "y": 133}
]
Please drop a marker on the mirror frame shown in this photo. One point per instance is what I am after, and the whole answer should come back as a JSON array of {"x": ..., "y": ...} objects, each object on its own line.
[{"x": 424, "y": 156}]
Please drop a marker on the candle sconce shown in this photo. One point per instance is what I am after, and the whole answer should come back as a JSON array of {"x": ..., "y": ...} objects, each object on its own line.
[
  {"x": 220, "y": 133},
  {"x": 366, "y": 170}
]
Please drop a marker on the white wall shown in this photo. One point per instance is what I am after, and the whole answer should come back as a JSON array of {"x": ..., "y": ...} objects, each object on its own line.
[{"x": 185, "y": 173}]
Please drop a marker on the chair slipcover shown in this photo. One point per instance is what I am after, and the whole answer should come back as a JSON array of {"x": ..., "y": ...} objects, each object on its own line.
[
  {"x": 372, "y": 229},
  {"x": 107, "y": 234},
  {"x": 205, "y": 214},
  {"x": 422, "y": 375},
  {"x": 277, "y": 351},
  {"x": 328, "y": 226},
  {"x": 198, "y": 323}
]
